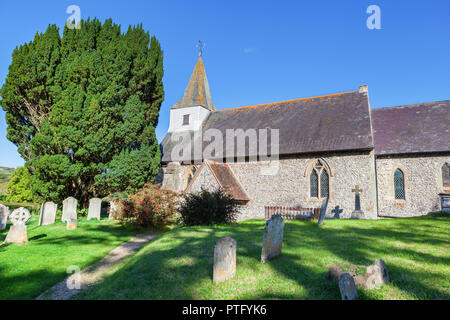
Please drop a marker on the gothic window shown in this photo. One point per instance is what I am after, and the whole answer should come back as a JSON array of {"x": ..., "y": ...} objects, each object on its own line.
[
  {"x": 446, "y": 175},
  {"x": 191, "y": 173},
  {"x": 399, "y": 185},
  {"x": 185, "y": 120},
  {"x": 319, "y": 185}
]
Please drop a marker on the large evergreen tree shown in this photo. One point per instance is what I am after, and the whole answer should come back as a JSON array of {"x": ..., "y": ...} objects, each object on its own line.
[{"x": 83, "y": 108}]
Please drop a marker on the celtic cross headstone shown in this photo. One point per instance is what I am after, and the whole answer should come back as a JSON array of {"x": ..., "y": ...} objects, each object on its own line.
[{"x": 18, "y": 231}]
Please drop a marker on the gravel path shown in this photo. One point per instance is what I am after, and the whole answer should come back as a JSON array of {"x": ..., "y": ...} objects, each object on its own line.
[{"x": 95, "y": 273}]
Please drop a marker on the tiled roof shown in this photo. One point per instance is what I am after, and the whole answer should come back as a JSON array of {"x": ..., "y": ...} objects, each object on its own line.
[
  {"x": 334, "y": 122},
  {"x": 418, "y": 128},
  {"x": 225, "y": 178},
  {"x": 197, "y": 91}
]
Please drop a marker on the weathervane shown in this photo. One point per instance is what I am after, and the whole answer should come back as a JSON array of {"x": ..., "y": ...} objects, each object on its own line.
[{"x": 200, "y": 46}]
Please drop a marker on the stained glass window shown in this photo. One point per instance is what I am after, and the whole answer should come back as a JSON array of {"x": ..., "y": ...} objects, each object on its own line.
[
  {"x": 399, "y": 185},
  {"x": 314, "y": 184}
]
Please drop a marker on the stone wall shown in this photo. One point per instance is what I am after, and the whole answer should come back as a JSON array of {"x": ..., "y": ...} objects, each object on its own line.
[
  {"x": 423, "y": 183},
  {"x": 205, "y": 180}
]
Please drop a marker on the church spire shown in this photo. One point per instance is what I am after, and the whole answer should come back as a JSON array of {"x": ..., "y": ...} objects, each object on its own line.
[{"x": 197, "y": 91}]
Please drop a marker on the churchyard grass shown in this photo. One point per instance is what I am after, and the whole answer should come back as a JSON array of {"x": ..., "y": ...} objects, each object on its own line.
[
  {"x": 179, "y": 264},
  {"x": 28, "y": 270}
]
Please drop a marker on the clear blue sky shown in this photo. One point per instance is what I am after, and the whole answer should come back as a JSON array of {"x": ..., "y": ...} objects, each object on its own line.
[{"x": 266, "y": 51}]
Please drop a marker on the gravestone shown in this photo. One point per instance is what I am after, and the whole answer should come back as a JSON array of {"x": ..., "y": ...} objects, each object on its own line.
[
  {"x": 18, "y": 231},
  {"x": 112, "y": 209},
  {"x": 4, "y": 213},
  {"x": 224, "y": 259},
  {"x": 376, "y": 275},
  {"x": 337, "y": 212},
  {"x": 48, "y": 213},
  {"x": 95, "y": 206},
  {"x": 71, "y": 224},
  {"x": 272, "y": 238},
  {"x": 69, "y": 209},
  {"x": 323, "y": 211},
  {"x": 357, "y": 213},
  {"x": 347, "y": 287}
]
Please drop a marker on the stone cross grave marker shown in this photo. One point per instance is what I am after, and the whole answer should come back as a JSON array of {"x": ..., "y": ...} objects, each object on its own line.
[
  {"x": 337, "y": 211},
  {"x": 224, "y": 259},
  {"x": 48, "y": 213},
  {"x": 95, "y": 206},
  {"x": 347, "y": 287},
  {"x": 18, "y": 231},
  {"x": 323, "y": 211},
  {"x": 4, "y": 213},
  {"x": 272, "y": 238},
  {"x": 357, "y": 213},
  {"x": 69, "y": 209}
]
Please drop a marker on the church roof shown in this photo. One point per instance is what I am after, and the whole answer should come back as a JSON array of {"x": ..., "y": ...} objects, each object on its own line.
[
  {"x": 197, "y": 91},
  {"x": 225, "y": 178},
  {"x": 335, "y": 122},
  {"x": 417, "y": 128}
]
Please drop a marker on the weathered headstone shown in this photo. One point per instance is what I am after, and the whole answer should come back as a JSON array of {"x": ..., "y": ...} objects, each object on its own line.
[
  {"x": 71, "y": 224},
  {"x": 224, "y": 259},
  {"x": 18, "y": 231},
  {"x": 95, "y": 206},
  {"x": 272, "y": 238},
  {"x": 357, "y": 213},
  {"x": 69, "y": 209},
  {"x": 323, "y": 211},
  {"x": 376, "y": 275},
  {"x": 112, "y": 209},
  {"x": 48, "y": 213},
  {"x": 4, "y": 213},
  {"x": 347, "y": 287}
]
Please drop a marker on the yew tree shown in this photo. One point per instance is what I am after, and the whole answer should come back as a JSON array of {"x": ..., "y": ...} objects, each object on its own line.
[{"x": 82, "y": 109}]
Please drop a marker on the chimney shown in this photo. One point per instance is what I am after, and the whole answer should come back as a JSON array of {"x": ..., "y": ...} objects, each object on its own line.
[{"x": 363, "y": 88}]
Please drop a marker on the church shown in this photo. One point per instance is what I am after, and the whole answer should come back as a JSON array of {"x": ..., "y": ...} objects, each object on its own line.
[{"x": 384, "y": 162}]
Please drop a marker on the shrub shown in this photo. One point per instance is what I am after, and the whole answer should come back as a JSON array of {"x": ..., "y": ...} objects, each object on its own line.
[
  {"x": 207, "y": 208},
  {"x": 148, "y": 207}
]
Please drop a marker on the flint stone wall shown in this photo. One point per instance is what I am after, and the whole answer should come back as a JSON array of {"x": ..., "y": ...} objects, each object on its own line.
[{"x": 423, "y": 183}]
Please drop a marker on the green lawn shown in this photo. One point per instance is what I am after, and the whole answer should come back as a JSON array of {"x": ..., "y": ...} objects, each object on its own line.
[
  {"x": 178, "y": 264},
  {"x": 29, "y": 269}
]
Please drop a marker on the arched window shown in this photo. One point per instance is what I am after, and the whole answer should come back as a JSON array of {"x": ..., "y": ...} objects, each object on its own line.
[
  {"x": 446, "y": 175},
  {"x": 317, "y": 185},
  {"x": 399, "y": 185},
  {"x": 191, "y": 173}
]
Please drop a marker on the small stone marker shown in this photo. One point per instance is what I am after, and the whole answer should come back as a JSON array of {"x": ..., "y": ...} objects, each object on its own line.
[
  {"x": 347, "y": 287},
  {"x": 48, "y": 213},
  {"x": 95, "y": 206},
  {"x": 376, "y": 275},
  {"x": 69, "y": 209},
  {"x": 18, "y": 231},
  {"x": 337, "y": 212},
  {"x": 323, "y": 211},
  {"x": 224, "y": 259},
  {"x": 71, "y": 224},
  {"x": 272, "y": 238},
  {"x": 4, "y": 213}
]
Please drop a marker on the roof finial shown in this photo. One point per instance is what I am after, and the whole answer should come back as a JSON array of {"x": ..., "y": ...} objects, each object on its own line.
[{"x": 200, "y": 46}]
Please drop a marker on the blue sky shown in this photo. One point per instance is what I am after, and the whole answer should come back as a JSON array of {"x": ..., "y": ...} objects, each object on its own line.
[{"x": 266, "y": 51}]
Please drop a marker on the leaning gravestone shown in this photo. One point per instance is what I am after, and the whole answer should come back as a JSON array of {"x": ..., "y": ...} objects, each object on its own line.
[
  {"x": 347, "y": 287},
  {"x": 224, "y": 259},
  {"x": 273, "y": 238},
  {"x": 18, "y": 231},
  {"x": 376, "y": 275},
  {"x": 323, "y": 211},
  {"x": 48, "y": 213},
  {"x": 69, "y": 209},
  {"x": 4, "y": 213},
  {"x": 95, "y": 206}
]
